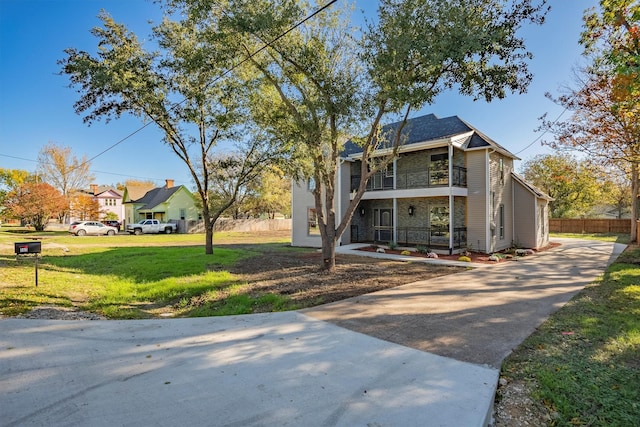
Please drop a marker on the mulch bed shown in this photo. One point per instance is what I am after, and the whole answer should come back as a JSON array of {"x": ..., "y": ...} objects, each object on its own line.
[{"x": 476, "y": 257}]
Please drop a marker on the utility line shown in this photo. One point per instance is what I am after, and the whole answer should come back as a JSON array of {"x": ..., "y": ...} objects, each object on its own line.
[{"x": 265, "y": 46}]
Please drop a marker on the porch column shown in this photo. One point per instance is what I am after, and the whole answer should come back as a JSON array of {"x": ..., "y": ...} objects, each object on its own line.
[
  {"x": 395, "y": 173},
  {"x": 451, "y": 204},
  {"x": 395, "y": 220}
]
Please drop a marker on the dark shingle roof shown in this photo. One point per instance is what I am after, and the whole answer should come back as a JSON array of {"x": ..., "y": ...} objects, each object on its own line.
[
  {"x": 156, "y": 196},
  {"x": 430, "y": 128}
]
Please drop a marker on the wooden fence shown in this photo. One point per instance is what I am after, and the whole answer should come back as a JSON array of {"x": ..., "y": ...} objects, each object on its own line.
[{"x": 589, "y": 225}]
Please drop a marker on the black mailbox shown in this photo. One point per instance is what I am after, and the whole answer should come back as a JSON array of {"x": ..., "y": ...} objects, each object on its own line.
[{"x": 28, "y": 248}]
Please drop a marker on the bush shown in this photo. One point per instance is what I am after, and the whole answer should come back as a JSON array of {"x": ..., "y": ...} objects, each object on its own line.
[{"x": 422, "y": 249}]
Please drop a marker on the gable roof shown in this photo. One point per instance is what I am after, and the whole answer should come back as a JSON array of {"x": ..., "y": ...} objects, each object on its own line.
[
  {"x": 104, "y": 189},
  {"x": 156, "y": 196},
  {"x": 137, "y": 191},
  {"x": 532, "y": 188},
  {"x": 431, "y": 128}
]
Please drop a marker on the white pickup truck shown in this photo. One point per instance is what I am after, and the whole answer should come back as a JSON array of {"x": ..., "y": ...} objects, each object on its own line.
[{"x": 151, "y": 226}]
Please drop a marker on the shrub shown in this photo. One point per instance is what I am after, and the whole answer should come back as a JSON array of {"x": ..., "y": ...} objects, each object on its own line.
[
  {"x": 405, "y": 253},
  {"x": 464, "y": 259},
  {"x": 392, "y": 245},
  {"x": 422, "y": 249}
]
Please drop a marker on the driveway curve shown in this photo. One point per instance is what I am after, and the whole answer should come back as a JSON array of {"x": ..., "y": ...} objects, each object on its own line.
[{"x": 424, "y": 354}]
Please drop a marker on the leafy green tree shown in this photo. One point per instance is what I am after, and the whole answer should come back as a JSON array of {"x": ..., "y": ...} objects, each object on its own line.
[
  {"x": 327, "y": 86},
  {"x": 605, "y": 105},
  {"x": 35, "y": 203},
  {"x": 184, "y": 88},
  {"x": 573, "y": 183},
  {"x": 11, "y": 179}
]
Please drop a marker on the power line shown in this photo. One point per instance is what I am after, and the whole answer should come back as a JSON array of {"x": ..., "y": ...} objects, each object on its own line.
[
  {"x": 265, "y": 46},
  {"x": 225, "y": 73},
  {"x": 543, "y": 133}
]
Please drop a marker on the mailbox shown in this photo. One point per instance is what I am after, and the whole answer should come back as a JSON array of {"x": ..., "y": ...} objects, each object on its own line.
[{"x": 28, "y": 248}]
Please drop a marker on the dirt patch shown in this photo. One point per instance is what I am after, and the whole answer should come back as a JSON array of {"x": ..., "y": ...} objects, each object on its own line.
[{"x": 299, "y": 276}]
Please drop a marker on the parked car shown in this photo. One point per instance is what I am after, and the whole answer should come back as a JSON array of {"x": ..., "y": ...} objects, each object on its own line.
[
  {"x": 112, "y": 223},
  {"x": 81, "y": 228},
  {"x": 151, "y": 226}
]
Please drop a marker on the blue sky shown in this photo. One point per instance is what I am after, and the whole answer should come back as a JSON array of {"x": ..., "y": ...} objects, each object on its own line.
[{"x": 36, "y": 104}]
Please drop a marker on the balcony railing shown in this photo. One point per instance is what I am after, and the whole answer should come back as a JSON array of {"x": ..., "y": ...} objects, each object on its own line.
[
  {"x": 431, "y": 237},
  {"x": 414, "y": 179}
]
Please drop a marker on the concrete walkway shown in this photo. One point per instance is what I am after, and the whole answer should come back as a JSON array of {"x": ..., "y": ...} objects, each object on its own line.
[{"x": 296, "y": 368}]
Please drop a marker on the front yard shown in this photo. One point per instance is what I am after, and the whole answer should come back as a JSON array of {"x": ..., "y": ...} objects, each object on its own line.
[{"x": 124, "y": 277}]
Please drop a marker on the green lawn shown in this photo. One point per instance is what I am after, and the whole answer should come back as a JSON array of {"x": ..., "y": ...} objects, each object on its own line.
[
  {"x": 131, "y": 276},
  {"x": 583, "y": 363}
]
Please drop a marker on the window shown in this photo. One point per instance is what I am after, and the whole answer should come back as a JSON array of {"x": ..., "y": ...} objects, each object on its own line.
[
  {"x": 311, "y": 184},
  {"x": 312, "y": 223},
  {"x": 388, "y": 171},
  {"x": 439, "y": 169},
  {"x": 501, "y": 221},
  {"x": 501, "y": 169},
  {"x": 183, "y": 214},
  {"x": 439, "y": 224}
]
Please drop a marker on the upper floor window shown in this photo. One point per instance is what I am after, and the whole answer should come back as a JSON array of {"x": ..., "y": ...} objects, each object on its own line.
[{"x": 501, "y": 169}]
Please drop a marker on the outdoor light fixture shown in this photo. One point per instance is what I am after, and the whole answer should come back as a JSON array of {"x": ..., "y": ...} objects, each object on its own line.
[
  {"x": 411, "y": 209},
  {"x": 362, "y": 211}
]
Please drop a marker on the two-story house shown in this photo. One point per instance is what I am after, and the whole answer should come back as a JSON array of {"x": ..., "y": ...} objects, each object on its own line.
[
  {"x": 109, "y": 200},
  {"x": 449, "y": 188}
]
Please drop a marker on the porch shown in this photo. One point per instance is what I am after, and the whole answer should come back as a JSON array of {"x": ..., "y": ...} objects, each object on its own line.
[{"x": 434, "y": 238}]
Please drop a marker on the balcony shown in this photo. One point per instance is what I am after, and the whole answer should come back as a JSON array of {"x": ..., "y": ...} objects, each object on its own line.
[{"x": 414, "y": 179}]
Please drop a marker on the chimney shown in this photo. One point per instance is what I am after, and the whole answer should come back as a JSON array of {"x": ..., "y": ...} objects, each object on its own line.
[
  {"x": 94, "y": 189},
  {"x": 169, "y": 183}
]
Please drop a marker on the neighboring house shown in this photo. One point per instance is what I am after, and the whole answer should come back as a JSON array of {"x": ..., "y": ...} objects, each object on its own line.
[
  {"x": 167, "y": 204},
  {"x": 109, "y": 200},
  {"x": 450, "y": 188}
]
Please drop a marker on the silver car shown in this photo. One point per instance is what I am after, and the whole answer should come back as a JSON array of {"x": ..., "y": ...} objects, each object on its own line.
[{"x": 82, "y": 228}]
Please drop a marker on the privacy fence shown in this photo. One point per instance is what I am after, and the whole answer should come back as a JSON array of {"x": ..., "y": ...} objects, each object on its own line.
[
  {"x": 590, "y": 225},
  {"x": 251, "y": 225}
]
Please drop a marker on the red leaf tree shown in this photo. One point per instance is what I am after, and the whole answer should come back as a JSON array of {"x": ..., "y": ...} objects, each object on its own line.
[{"x": 35, "y": 203}]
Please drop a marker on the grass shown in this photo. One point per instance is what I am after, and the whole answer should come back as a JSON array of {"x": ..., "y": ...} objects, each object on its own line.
[
  {"x": 605, "y": 237},
  {"x": 123, "y": 277},
  {"x": 583, "y": 363}
]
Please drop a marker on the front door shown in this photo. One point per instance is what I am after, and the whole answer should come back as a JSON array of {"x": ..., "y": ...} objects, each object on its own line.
[{"x": 383, "y": 225}]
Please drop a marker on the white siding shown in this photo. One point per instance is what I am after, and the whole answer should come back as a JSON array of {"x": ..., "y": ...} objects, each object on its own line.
[
  {"x": 302, "y": 200},
  {"x": 500, "y": 193},
  {"x": 525, "y": 217}
]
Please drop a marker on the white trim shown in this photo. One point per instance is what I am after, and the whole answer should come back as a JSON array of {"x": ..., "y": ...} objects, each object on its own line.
[
  {"x": 487, "y": 203},
  {"x": 451, "y": 204},
  {"x": 414, "y": 192},
  {"x": 395, "y": 221}
]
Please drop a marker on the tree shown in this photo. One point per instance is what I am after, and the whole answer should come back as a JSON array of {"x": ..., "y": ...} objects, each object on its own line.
[
  {"x": 35, "y": 203},
  {"x": 604, "y": 121},
  {"x": 603, "y": 124},
  {"x": 232, "y": 176},
  {"x": 184, "y": 88},
  {"x": 616, "y": 192},
  {"x": 84, "y": 206},
  {"x": 11, "y": 179},
  {"x": 272, "y": 194},
  {"x": 568, "y": 180},
  {"x": 414, "y": 51},
  {"x": 59, "y": 167}
]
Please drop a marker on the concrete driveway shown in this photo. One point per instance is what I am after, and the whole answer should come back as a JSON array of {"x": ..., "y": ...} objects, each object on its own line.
[{"x": 311, "y": 368}]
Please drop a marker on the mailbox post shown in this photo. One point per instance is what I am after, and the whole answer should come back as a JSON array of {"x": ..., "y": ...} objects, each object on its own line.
[{"x": 27, "y": 248}]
